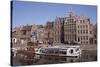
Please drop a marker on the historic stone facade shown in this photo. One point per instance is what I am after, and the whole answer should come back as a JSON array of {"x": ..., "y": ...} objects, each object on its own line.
[
  {"x": 78, "y": 29},
  {"x": 68, "y": 29},
  {"x": 58, "y": 30},
  {"x": 49, "y": 32},
  {"x": 21, "y": 35}
]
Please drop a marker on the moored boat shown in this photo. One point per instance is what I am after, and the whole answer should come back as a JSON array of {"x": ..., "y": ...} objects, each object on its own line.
[{"x": 72, "y": 51}]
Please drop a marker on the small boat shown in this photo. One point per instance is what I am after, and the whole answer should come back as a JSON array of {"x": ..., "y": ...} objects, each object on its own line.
[{"x": 71, "y": 51}]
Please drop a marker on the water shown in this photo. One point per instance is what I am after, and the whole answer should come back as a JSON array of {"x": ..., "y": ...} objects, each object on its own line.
[{"x": 32, "y": 59}]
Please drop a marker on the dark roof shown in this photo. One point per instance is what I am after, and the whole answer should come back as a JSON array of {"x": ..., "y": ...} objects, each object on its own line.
[{"x": 28, "y": 28}]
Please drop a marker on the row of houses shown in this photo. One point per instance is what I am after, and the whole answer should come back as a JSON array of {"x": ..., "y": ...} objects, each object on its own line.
[
  {"x": 73, "y": 28},
  {"x": 68, "y": 29}
]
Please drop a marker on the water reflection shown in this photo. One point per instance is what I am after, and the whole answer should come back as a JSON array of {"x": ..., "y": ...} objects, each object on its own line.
[{"x": 32, "y": 59}]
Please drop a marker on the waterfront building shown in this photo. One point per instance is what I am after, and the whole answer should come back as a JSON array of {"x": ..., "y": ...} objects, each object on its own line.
[
  {"x": 34, "y": 33},
  {"x": 21, "y": 35},
  {"x": 49, "y": 31},
  {"x": 68, "y": 29},
  {"x": 78, "y": 29},
  {"x": 58, "y": 30}
]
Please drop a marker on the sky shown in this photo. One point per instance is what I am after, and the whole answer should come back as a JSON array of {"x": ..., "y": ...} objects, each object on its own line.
[{"x": 40, "y": 12}]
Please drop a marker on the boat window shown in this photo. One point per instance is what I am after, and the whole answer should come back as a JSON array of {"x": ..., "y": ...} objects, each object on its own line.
[
  {"x": 63, "y": 52},
  {"x": 43, "y": 51},
  {"x": 71, "y": 51},
  {"x": 77, "y": 49}
]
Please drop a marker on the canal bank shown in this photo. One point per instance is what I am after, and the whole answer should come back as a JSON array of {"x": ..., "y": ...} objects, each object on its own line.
[
  {"x": 89, "y": 53},
  {"x": 86, "y": 56}
]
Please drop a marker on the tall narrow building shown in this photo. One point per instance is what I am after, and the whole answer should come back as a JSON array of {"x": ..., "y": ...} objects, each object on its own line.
[
  {"x": 50, "y": 31},
  {"x": 58, "y": 30},
  {"x": 77, "y": 29},
  {"x": 70, "y": 28}
]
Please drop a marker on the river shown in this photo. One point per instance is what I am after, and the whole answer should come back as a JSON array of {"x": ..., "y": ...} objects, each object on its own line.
[{"x": 20, "y": 60}]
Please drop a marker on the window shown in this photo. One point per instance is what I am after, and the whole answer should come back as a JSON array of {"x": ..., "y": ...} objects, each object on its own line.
[
  {"x": 71, "y": 51},
  {"x": 78, "y": 31},
  {"x": 83, "y": 26},
  {"x": 24, "y": 33},
  {"x": 84, "y": 31},
  {"x": 86, "y": 42},
  {"x": 81, "y": 42},
  {"x": 63, "y": 52},
  {"x": 81, "y": 31},
  {"x": 90, "y": 32},
  {"x": 86, "y": 26},
  {"x": 83, "y": 21},
  {"x": 74, "y": 21},
  {"x": 77, "y": 49},
  {"x": 80, "y": 21},
  {"x": 78, "y": 39},
  {"x": 87, "y": 31},
  {"x": 78, "y": 27},
  {"x": 83, "y": 37},
  {"x": 86, "y": 37}
]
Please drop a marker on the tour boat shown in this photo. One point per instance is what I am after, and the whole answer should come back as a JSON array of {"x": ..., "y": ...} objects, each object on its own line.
[{"x": 60, "y": 50}]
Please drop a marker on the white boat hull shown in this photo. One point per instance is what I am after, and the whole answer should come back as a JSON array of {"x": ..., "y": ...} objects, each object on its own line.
[{"x": 70, "y": 51}]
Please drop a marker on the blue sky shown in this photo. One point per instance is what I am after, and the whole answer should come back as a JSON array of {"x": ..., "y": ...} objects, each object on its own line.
[{"x": 40, "y": 13}]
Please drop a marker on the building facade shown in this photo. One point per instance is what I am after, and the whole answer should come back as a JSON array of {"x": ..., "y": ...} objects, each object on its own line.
[
  {"x": 49, "y": 32},
  {"x": 68, "y": 29},
  {"x": 78, "y": 29},
  {"x": 58, "y": 30},
  {"x": 21, "y": 35}
]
